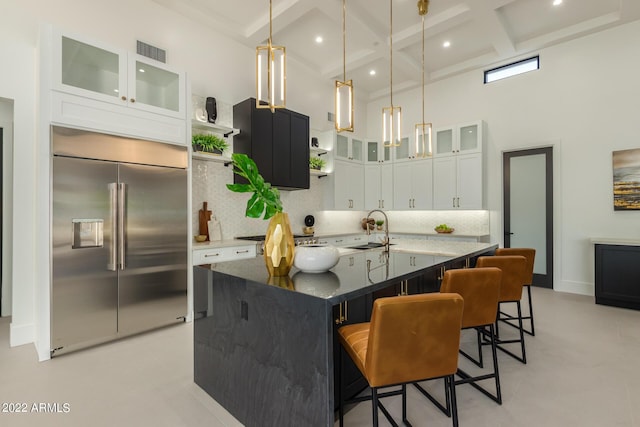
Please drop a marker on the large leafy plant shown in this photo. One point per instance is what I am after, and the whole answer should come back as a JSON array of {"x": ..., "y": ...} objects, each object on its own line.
[{"x": 265, "y": 199}]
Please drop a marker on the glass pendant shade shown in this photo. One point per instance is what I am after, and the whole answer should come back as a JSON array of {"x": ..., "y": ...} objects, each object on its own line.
[
  {"x": 423, "y": 140},
  {"x": 344, "y": 106},
  {"x": 271, "y": 77},
  {"x": 391, "y": 126}
]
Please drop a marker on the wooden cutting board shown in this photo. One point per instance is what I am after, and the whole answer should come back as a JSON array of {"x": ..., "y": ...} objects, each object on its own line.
[{"x": 204, "y": 216}]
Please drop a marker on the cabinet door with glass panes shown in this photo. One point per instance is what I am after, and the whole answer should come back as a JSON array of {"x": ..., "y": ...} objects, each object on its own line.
[
  {"x": 349, "y": 148},
  {"x": 94, "y": 70},
  {"x": 412, "y": 149},
  {"x": 460, "y": 139},
  {"x": 377, "y": 152}
]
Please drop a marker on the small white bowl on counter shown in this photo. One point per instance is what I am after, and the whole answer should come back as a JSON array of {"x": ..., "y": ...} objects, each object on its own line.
[{"x": 315, "y": 258}]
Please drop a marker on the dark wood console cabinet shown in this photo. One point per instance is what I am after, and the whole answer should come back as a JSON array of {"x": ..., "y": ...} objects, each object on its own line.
[
  {"x": 278, "y": 142},
  {"x": 617, "y": 277}
]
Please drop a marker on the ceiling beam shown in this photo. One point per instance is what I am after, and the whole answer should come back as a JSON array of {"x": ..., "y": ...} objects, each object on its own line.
[{"x": 491, "y": 21}]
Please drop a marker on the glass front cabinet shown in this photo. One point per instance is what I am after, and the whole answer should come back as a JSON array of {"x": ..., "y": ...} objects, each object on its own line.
[
  {"x": 460, "y": 139},
  {"x": 94, "y": 70},
  {"x": 349, "y": 148},
  {"x": 377, "y": 152}
]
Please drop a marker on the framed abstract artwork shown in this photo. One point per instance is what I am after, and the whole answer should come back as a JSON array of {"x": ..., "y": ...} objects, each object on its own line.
[{"x": 626, "y": 180}]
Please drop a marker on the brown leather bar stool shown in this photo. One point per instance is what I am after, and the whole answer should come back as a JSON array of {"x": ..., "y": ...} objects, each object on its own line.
[
  {"x": 410, "y": 338},
  {"x": 480, "y": 289},
  {"x": 514, "y": 271},
  {"x": 530, "y": 255}
]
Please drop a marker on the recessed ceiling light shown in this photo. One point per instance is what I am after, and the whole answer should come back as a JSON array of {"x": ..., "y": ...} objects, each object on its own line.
[
  {"x": 446, "y": 44},
  {"x": 557, "y": 2},
  {"x": 319, "y": 39},
  {"x": 372, "y": 72}
]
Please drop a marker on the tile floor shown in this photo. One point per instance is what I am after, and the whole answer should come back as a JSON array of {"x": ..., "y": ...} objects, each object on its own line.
[{"x": 583, "y": 370}]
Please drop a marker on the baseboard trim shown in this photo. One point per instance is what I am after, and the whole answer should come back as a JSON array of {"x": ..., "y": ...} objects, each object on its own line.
[
  {"x": 21, "y": 334},
  {"x": 580, "y": 288}
]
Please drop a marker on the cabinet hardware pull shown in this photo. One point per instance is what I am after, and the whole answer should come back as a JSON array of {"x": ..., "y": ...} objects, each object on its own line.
[
  {"x": 453, "y": 202},
  {"x": 210, "y": 255},
  {"x": 133, "y": 100},
  {"x": 346, "y": 317},
  {"x": 124, "y": 98},
  {"x": 246, "y": 251}
]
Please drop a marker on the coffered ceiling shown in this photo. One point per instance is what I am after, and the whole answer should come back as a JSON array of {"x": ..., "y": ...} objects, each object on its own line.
[{"x": 481, "y": 33}]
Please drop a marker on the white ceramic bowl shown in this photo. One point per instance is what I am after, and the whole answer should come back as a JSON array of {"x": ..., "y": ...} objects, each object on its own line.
[{"x": 315, "y": 258}]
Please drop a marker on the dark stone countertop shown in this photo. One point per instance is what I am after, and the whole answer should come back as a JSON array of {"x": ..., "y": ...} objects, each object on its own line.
[{"x": 358, "y": 272}]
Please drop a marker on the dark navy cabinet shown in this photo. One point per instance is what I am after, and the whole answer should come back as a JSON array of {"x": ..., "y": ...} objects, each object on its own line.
[
  {"x": 278, "y": 142},
  {"x": 617, "y": 275}
]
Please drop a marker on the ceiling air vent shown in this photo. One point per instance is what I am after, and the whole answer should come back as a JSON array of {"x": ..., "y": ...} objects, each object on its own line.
[{"x": 152, "y": 52}]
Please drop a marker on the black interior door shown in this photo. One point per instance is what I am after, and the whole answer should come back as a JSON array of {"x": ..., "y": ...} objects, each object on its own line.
[{"x": 528, "y": 207}]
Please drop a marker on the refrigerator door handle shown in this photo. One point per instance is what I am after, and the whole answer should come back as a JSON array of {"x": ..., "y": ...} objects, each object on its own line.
[
  {"x": 113, "y": 251},
  {"x": 122, "y": 192}
]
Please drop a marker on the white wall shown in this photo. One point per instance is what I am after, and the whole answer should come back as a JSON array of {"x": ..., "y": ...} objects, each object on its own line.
[
  {"x": 6, "y": 122},
  {"x": 583, "y": 102}
]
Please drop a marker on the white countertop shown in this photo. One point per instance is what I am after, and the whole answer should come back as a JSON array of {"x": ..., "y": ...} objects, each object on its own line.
[{"x": 615, "y": 241}]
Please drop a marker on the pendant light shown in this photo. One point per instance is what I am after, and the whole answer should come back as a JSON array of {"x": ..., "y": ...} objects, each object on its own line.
[
  {"x": 271, "y": 73},
  {"x": 392, "y": 115},
  {"x": 423, "y": 130},
  {"x": 344, "y": 88}
]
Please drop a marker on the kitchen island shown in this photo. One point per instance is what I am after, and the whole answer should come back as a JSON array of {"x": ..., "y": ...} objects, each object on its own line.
[{"x": 264, "y": 348}]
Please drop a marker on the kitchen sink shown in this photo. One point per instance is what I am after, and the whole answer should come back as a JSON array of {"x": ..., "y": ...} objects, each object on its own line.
[{"x": 370, "y": 245}]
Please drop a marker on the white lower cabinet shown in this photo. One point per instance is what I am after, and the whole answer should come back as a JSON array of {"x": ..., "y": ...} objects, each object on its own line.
[
  {"x": 457, "y": 182},
  {"x": 378, "y": 186},
  {"x": 348, "y": 186},
  {"x": 346, "y": 240},
  {"x": 413, "y": 185},
  {"x": 230, "y": 253}
]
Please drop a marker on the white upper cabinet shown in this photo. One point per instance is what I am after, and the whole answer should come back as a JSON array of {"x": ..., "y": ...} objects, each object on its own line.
[
  {"x": 97, "y": 71},
  {"x": 92, "y": 85},
  {"x": 410, "y": 149},
  {"x": 377, "y": 152},
  {"x": 348, "y": 185},
  {"x": 349, "y": 148},
  {"x": 457, "y": 182},
  {"x": 378, "y": 186},
  {"x": 413, "y": 185},
  {"x": 457, "y": 167},
  {"x": 459, "y": 139}
]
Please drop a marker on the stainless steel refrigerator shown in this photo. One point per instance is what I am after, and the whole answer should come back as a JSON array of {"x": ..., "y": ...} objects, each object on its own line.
[{"x": 119, "y": 237}]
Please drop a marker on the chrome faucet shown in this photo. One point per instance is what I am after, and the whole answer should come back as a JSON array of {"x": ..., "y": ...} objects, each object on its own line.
[{"x": 386, "y": 228}]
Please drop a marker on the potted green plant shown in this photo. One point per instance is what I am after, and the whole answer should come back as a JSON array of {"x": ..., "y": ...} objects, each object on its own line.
[
  {"x": 208, "y": 143},
  {"x": 265, "y": 202},
  {"x": 379, "y": 224},
  {"x": 316, "y": 163}
]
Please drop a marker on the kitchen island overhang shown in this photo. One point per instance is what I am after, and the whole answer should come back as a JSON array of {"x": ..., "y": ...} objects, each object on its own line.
[{"x": 264, "y": 347}]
